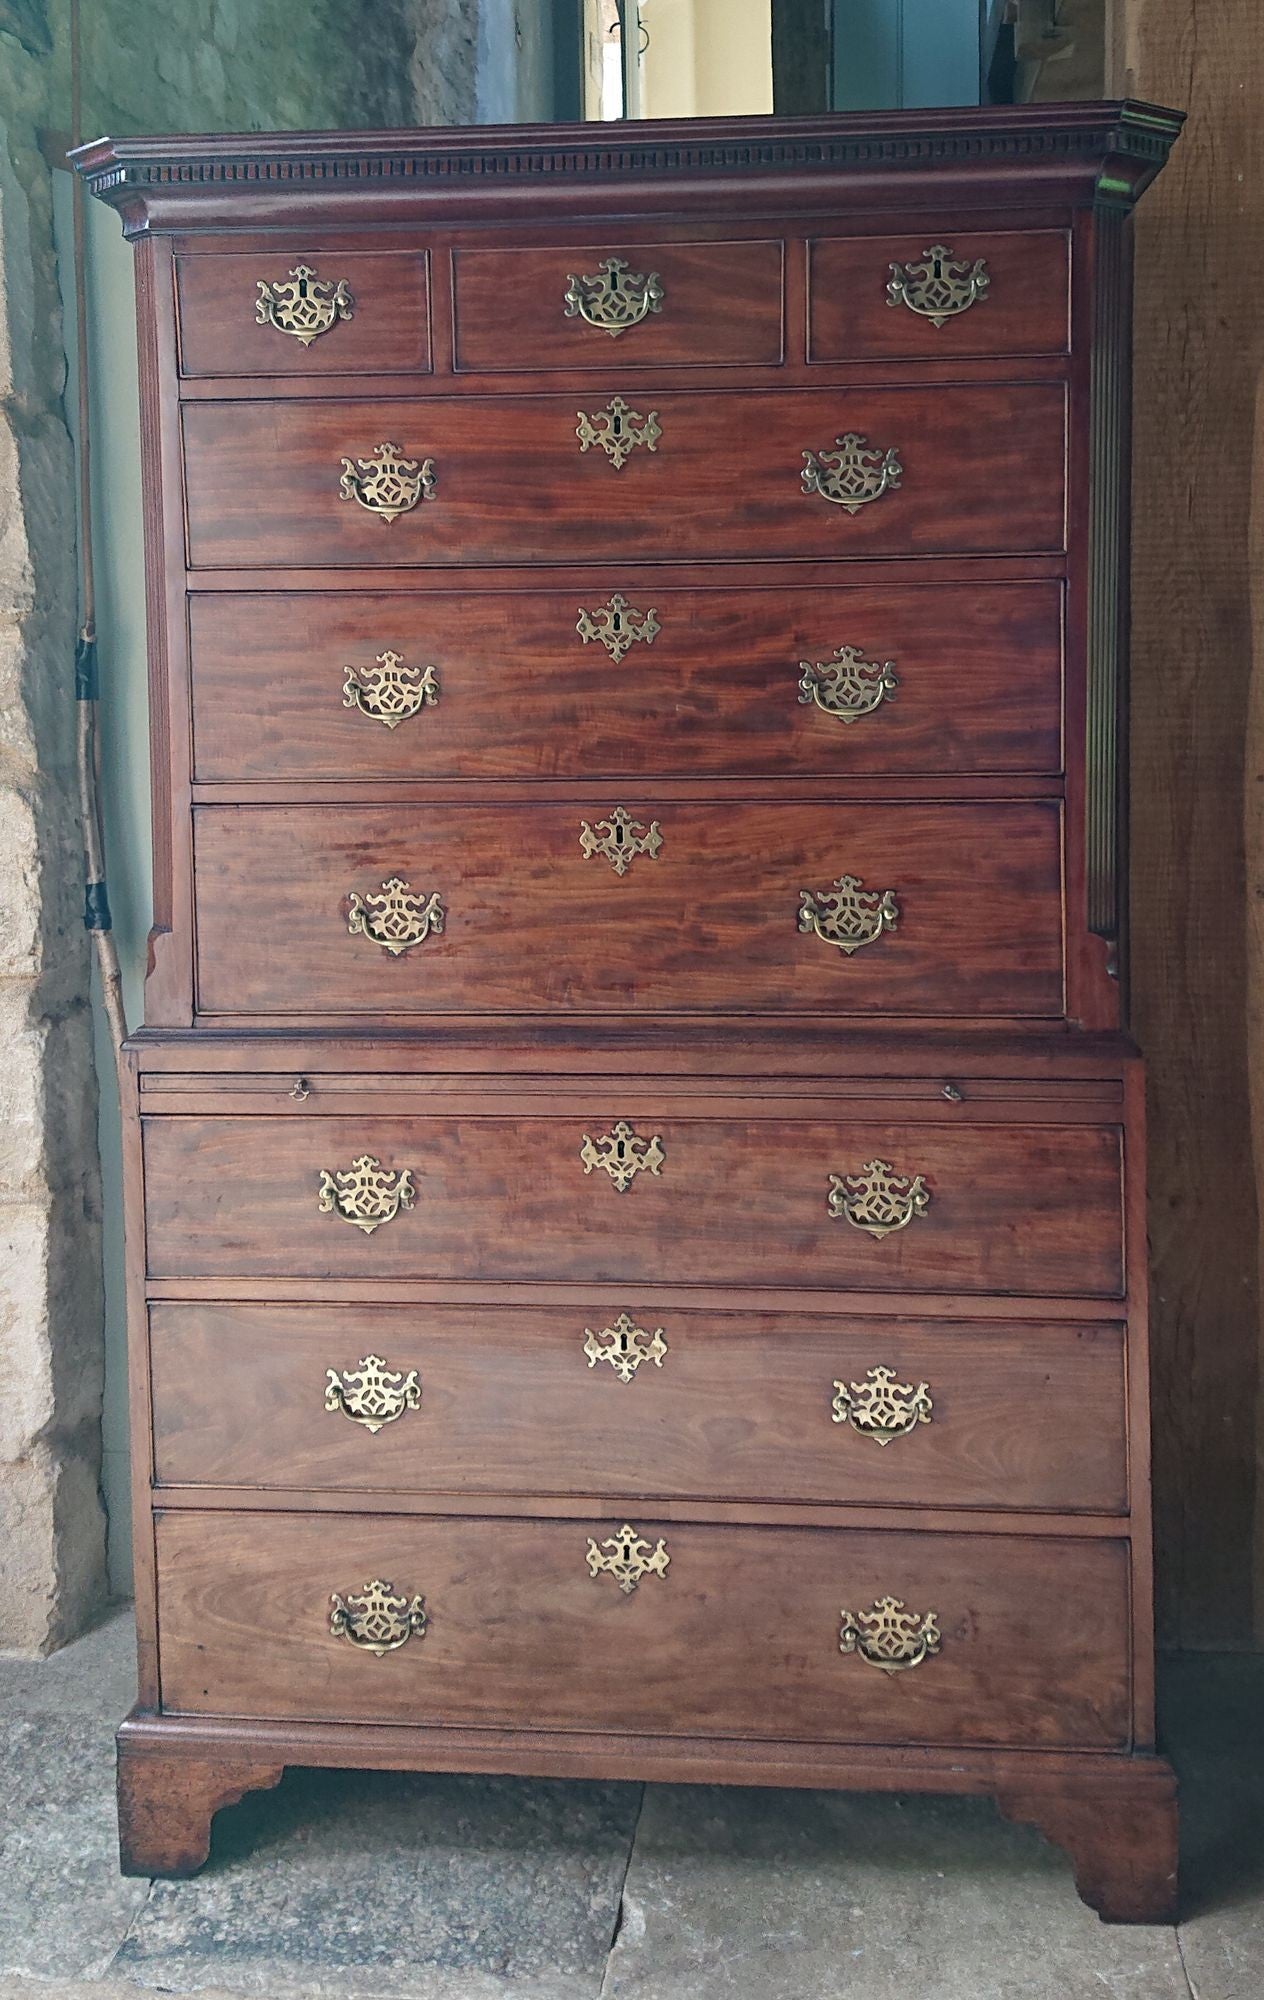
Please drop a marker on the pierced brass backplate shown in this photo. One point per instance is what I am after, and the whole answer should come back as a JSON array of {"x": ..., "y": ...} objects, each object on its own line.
[
  {"x": 366, "y": 1194},
  {"x": 378, "y": 1619},
  {"x": 613, "y": 298},
  {"x": 617, "y": 626},
  {"x": 388, "y": 691},
  {"x": 618, "y": 430},
  {"x": 622, "y": 1155},
  {"x": 847, "y": 686},
  {"x": 371, "y": 1393},
  {"x": 395, "y": 916},
  {"x": 851, "y": 475},
  {"x": 627, "y": 1557},
  {"x": 938, "y": 286},
  {"x": 877, "y": 1199},
  {"x": 619, "y": 839},
  {"x": 303, "y": 304},
  {"x": 848, "y": 915},
  {"x": 388, "y": 485},
  {"x": 889, "y": 1637},
  {"x": 880, "y": 1407},
  {"x": 625, "y": 1345}
]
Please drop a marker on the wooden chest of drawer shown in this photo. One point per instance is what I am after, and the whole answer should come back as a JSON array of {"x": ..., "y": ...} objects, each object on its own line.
[
  {"x": 594, "y": 1398},
  {"x": 981, "y": 472},
  {"x": 1032, "y": 1634},
  {"x": 656, "y": 678},
  {"x": 741, "y": 1196}
]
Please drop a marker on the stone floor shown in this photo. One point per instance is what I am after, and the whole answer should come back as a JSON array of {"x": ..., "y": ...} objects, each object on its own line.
[{"x": 380, "y": 1887}]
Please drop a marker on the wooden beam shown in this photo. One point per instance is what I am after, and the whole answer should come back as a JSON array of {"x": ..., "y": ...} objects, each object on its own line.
[{"x": 800, "y": 56}]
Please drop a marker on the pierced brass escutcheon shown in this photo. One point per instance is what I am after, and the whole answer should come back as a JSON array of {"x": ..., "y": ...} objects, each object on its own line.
[
  {"x": 613, "y": 298},
  {"x": 877, "y": 1199},
  {"x": 371, "y": 1393},
  {"x": 880, "y": 1407},
  {"x": 622, "y": 1154},
  {"x": 366, "y": 1194},
  {"x": 388, "y": 691},
  {"x": 617, "y": 626},
  {"x": 388, "y": 485},
  {"x": 618, "y": 429},
  {"x": 847, "y": 686},
  {"x": 853, "y": 474},
  {"x": 625, "y": 1345},
  {"x": 848, "y": 915},
  {"x": 627, "y": 1557},
  {"x": 889, "y": 1637},
  {"x": 396, "y": 916},
  {"x": 378, "y": 1619},
  {"x": 619, "y": 839},
  {"x": 303, "y": 304},
  {"x": 938, "y": 286}
]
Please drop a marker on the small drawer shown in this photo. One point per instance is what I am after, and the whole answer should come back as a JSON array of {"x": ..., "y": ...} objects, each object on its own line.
[
  {"x": 298, "y": 311},
  {"x": 610, "y": 1396},
  {"x": 618, "y": 305},
  {"x": 780, "y": 681},
  {"x": 676, "y": 1192},
  {"x": 600, "y": 476},
  {"x": 585, "y": 1625},
  {"x": 618, "y": 903},
  {"x": 938, "y": 298}
]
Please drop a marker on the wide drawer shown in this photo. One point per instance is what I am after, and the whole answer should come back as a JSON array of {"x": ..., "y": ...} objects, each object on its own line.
[
  {"x": 1003, "y": 292},
  {"x": 617, "y": 305},
  {"x": 275, "y": 484},
  {"x": 649, "y": 678},
  {"x": 608, "y": 1397},
  {"x": 735, "y": 1632},
  {"x": 726, "y": 907},
  {"x": 302, "y": 312},
  {"x": 725, "y": 1199}
]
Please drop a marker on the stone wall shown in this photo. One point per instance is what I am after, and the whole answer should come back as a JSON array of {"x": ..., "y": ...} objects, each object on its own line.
[{"x": 157, "y": 65}]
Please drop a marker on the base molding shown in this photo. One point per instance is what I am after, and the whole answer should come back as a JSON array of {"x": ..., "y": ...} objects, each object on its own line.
[{"x": 1115, "y": 1816}]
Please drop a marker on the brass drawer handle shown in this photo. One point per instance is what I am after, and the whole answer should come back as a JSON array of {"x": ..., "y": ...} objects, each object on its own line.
[
  {"x": 938, "y": 286},
  {"x": 880, "y": 1407},
  {"x": 852, "y": 474},
  {"x": 889, "y": 1637},
  {"x": 388, "y": 691},
  {"x": 396, "y": 916},
  {"x": 625, "y": 1345},
  {"x": 617, "y": 626},
  {"x": 848, "y": 915},
  {"x": 847, "y": 686},
  {"x": 378, "y": 1619},
  {"x": 619, "y": 839},
  {"x": 388, "y": 485},
  {"x": 303, "y": 304},
  {"x": 366, "y": 1194},
  {"x": 371, "y": 1393},
  {"x": 627, "y": 1557},
  {"x": 622, "y": 1154},
  {"x": 618, "y": 429},
  {"x": 877, "y": 1199},
  {"x": 613, "y": 298}
]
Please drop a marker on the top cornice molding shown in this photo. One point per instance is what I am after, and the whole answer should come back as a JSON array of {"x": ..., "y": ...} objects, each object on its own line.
[{"x": 1107, "y": 151}]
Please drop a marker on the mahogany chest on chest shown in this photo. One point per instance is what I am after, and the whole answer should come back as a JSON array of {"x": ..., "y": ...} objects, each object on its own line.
[{"x": 636, "y": 1170}]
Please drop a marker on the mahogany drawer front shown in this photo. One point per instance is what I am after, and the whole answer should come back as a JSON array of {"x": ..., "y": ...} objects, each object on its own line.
[
  {"x": 607, "y": 1397},
  {"x": 670, "y": 680},
  {"x": 740, "y": 1200},
  {"x": 518, "y": 309},
  {"x": 709, "y": 922},
  {"x": 982, "y": 472},
  {"x": 1002, "y": 293},
  {"x": 362, "y": 313},
  {"x": 1032, "y": 1635}
]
